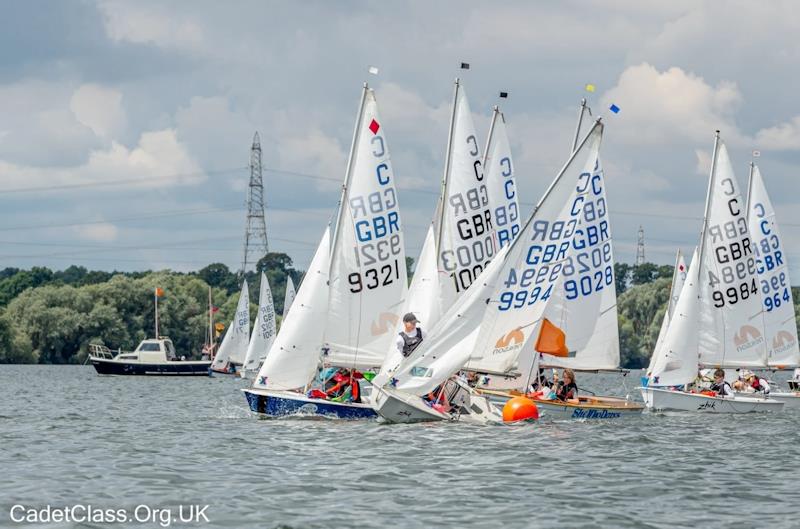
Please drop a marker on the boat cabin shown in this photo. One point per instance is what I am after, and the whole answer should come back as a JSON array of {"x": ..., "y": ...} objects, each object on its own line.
[{"x": 151, "y": 351}]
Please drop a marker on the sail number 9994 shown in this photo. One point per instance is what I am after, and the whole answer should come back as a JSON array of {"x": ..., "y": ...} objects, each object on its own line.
[{"x": 372, "y": 278}]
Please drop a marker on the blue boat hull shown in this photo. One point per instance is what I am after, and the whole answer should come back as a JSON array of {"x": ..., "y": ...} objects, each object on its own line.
[{"x": 284, "y": 403}]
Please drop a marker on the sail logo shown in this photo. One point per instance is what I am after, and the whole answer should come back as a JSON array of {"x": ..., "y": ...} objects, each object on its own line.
[
  {"x": 595, "y": 414},
  {"x": 747, "y": 337},
  {"x": 783, "y": 341},
  {"x": 509, "y": 342},
  {"x": 385, "y": 323}
]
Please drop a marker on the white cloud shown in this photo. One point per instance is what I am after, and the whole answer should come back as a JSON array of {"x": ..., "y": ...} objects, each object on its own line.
[
  {"x": 103, "y": 232},
  {"x": 99, "y": 108},
  {"x": 781, "y": 137},
  {"x": 673, "y": 106},
  {"x": 141, "y": 23}
]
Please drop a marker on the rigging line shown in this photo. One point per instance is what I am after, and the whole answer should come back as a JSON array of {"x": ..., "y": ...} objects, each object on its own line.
[{"x": 110, "y": 183}]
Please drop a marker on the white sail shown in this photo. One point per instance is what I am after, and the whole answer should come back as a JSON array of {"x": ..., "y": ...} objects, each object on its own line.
[
  {"x": 465, "y": 239},
  {"x": 678, "y": 279},
  {"x": 732, "y": 326},
  {"x": 368, "y": 280},
  {"x": 264, "y": 329},
  {"x": 585, "y": 308},
  {"x": 499, "y": 316},
  {"x": 674, "y": 363},
  {"x": 422, "y": 300},
  {"x": 293, "y": 359},
  {"x": 773, "y": 274},
  {"x": 500, "y": 181},
  {"x": 234, "y": 344},
  {"x": 288, "y": 297}
]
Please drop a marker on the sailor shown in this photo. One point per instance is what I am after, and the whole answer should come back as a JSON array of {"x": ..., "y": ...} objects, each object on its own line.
[
  {"x": 794, "y": 383},
  {"x": 567, "y": 389},
  {"x": 758, "y": 384},
  {"x": 411, "y": 335},
  {"x": 720, "y": 387}
]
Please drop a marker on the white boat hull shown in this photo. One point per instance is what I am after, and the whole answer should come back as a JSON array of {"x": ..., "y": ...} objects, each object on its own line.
[
  {"x": 399, "y": 407},
  {"x": 659, "y": 399},
  {"x": 790, "y": 399}
]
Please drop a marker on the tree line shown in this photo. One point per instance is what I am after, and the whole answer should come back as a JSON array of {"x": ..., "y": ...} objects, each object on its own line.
[{"x": 50, "y": 317}]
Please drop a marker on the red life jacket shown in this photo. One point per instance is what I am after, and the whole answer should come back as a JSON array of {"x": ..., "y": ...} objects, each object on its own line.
[{"x": 355, "y": 390}]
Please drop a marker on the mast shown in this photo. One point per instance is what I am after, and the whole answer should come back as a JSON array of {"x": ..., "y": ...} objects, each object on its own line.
[
  {"x": 210, "y": 321},
  {"x": 156, "y": 300},
  {"x": 446, "y": 176},
  {"x": 749, "y": 188},
  {"x": 674, "y": 278},
  {"x": 495, "y": 114},
  {"x": 578, "y": 126},
  {"x": 708, "y": 204},
  {"x": 347, "y": 177}
]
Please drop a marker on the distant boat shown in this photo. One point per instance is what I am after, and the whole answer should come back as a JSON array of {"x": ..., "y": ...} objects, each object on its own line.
[
  {"x": 288, "y": 297},
  {"x": 231, "y": 353},
  {"x": 264, "y": 331},
  {"x": 717, "y": 321},
  {"x": 153, "y": 356}
]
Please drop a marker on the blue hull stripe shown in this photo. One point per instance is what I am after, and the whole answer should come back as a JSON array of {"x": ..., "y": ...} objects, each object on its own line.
[{"x": 279, "y": 406}]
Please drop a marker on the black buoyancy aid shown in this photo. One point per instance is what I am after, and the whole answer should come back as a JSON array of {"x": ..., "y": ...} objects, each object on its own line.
[
  {"x": 719, "y": 389},
  {"x": 411, "y": 342}
]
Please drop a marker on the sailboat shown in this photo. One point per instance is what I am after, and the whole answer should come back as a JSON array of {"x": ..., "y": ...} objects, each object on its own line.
[
  {"x": 231, "y": 353},
  {"x": 678, "y": 280},
  {"x": 264, "y": 331},
  {"x": 288, "y": 297},
  {"x": 500, "y": 316},
  {"x": 461, "y": 240},
  {"x": 349, "y": 304},
  {"x": 773, "y": 274},
  {"x": 718, "y": 320},
  {"x": 500, "y": 182}
]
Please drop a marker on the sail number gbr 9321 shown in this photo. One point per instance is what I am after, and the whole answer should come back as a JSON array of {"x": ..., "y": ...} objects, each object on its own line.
[
  {"x": 732, "y": 276},
  {"x": 376, "y": 222}
]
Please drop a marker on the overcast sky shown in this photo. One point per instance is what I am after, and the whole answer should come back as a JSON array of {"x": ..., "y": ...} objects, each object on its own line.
[{"x": 125, "y": 127}]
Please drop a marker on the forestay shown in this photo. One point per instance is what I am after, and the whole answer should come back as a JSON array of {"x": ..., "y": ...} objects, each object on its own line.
[
  {"x": 585, "y": 308},
  {"x": 368, "y": 280},
  {"x": 732, "y": 326},
  {"x": 500, "y": 315},
  {"x": 293, "y": 359},
  {"x": 234, "y": 344},
  {"x": 500, "y": 182},
  {"x": 678, "y": 280},
  {"x": 264, "y": 329},
  {"x": 773, "y": 275},
  {"x": 288, "y": 297}
]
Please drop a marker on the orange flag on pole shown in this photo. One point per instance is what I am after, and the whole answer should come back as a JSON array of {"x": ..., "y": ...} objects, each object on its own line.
[
  {"x": 552, "y": 340},
  {"x": 159, "y": 292}
]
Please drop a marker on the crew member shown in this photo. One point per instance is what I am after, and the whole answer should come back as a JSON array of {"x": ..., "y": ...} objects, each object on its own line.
[
  {"x": 567, "y": 389},
  {"x": 720, "y": 387},
  {"x": 411, "y": 335}
]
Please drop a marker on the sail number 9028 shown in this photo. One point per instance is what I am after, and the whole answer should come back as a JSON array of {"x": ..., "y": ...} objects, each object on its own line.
[{"x": 372, "y": 278}]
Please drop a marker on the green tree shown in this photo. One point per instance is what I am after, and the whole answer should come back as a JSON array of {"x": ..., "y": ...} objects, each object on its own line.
[{"x": 641, "y": 309}]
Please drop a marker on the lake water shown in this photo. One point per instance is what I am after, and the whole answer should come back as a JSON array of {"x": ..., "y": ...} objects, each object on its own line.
[{"x": 70, "y": 437}]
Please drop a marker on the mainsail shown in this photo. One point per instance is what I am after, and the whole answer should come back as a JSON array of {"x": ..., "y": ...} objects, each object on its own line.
[
  {"x": 488, "y": 327},
  {"x": 732, "y": 326},
  {"x": 264, "y": 329},
  {"x": 293, "y": 359},
  {"x": 585, "y": 308},
  {"x": 288, "y": 297},
  {"x": 678, "y": 280},
  {"x": 773, "y": 274},
  {"x": 368, "y": 280},
  {"x": 500, "y": 182},
  {"x": 234, "y": 344}
]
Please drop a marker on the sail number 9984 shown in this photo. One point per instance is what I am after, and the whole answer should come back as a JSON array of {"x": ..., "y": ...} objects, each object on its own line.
[{"x": 732, "y": 295}]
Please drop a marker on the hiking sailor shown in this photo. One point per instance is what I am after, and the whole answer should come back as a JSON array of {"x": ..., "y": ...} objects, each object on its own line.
[
  {"x": 411, "y": 335},
  {"x": 720, "y": 387}
]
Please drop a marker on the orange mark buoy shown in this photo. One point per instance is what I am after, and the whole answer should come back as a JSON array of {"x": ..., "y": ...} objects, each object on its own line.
[{"x": 520, "y": 409}]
